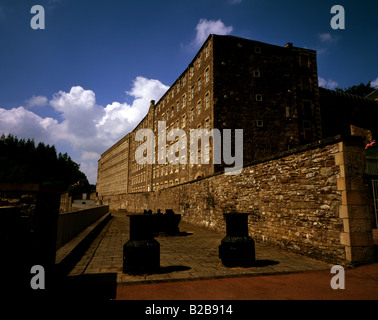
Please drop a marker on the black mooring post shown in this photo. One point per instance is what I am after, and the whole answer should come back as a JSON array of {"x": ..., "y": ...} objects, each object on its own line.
[
  {"x": 141, "y": 254},
  {"x": 237, "y": 249}
]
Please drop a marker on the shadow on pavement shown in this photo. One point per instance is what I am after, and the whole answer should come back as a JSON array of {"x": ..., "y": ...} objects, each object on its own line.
[
  {"x": 265, "y": 263},
  {"x": 171, "y": 269},
  {"x": 88, "y": 286}
]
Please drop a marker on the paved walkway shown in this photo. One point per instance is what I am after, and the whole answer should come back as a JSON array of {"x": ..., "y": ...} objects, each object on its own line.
[
  {"x": 189, "y": 256},
  {"x": 192, "y": 270}
]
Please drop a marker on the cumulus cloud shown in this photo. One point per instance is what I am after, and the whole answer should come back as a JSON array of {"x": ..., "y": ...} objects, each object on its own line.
[
  {"x": 26, "y": 124},
  {"x": 36, "y": 101},
  {"x": 206, "y": 27},
  {"x": 374, "y": 83},
  {"x": 86, "y": 126},
  {"x": 122, "y": 117},
  {"x": 328, "y": 84}
]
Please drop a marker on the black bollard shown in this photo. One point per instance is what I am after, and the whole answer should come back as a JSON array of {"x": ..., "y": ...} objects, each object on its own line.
[
  {"x": 141, "y": 254},
  {"x": 237, "y": 249}
]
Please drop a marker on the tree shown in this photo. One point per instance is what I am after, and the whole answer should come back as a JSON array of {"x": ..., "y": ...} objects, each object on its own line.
[
  {"x": 359, "y": 90},
  {"x": 22, "y": 162}
]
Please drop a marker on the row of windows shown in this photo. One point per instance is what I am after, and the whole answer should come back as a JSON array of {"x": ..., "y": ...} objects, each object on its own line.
[
  {"x": 139, "y": 178},
  {"x": 168, "y": 168},
  {"x": 192, "y": 92},
  {"x": 166, "y": 116},
  {"x": 165, "y": 185}
]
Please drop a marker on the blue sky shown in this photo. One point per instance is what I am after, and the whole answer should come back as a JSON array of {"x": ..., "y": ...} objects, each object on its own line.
[{"x": 86, "y": 80}]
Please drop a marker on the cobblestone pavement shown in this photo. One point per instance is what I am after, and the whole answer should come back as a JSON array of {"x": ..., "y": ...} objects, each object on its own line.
[{"x": 189, "y": 256}]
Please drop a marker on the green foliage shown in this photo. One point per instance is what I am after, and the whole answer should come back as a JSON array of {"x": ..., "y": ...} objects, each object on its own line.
[
  {"x": 23, "y": 162},
  {"x": 359, "y": 90}
]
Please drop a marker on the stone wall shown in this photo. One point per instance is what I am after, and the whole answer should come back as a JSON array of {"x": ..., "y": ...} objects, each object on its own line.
[
  {"x": 70, "y": 224},
  {"x": 29, "y": 215},
  {"x": 65, "y": 203},
  {"x": 313, "y": 201}
]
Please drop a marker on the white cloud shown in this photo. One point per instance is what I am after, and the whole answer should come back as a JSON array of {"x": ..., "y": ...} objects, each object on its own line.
[
  {"x": 86, "y": 126},
  {"x": 121, "y": 118},
  {"x": 326, "y": 37},
  {"x": 374, "y": 83},
  {"x": 90, "y": 155},
  {"x": 329, "y": 84},
  {"x": 26, "y": 124},
  {"x": 90, "y": 170},
  {"x": 206, "y": 27},
  {"x": 36, "y": 101}
]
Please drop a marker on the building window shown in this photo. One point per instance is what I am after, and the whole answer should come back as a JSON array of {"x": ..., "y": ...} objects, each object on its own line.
[
  {"x": 191, "y": 72},
  {"x": 260, "y": 123},
  {"x": 207, "y": 153},
  {"x": 207, "y": 75},
  {"x": 207, "y": 51},
  {"x": 207, "y": 124},
  {"x": 207, "y": 100},
  {"x": 184, "y": 81},
  {"x": 172, "y": 111},
  {"x": 183, "y": 121},
  {"x": 307, "y": 125},
  {"x": 304, "y": 60},
  {"x": 178, "y": 106},
  {"x": 307, "y": 108},
  {"x": 258, "y": 97},
  {"x": 306, "y": 83},
  {"x": 192, "y": 114},
  {"x": 287, "y": 112},
  {"x": 167, "y": 115},
  {"x": 178, "y": 87},
  {"x": 257, "y": 50},
  {"x": 199, "y": 84},
  {"x": 199, "y": 61},
  {"x": 256, "y": 73},
  {"x": 192, "y": 92},
  {"x": 199, "y": 107}
]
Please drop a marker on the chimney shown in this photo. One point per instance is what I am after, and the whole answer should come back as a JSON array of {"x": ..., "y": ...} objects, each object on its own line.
[
  {"x": 289, "y": 45},
  {"x": 152, "y": 103}
]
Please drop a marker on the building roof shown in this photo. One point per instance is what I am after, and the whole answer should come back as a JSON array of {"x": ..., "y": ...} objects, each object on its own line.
[
  {"x": 373, "y": 95},
  {"x": 352, "y": 97}
]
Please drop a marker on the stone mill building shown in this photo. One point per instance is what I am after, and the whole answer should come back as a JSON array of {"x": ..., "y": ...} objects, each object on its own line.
[{"x": 304, "y": 179}]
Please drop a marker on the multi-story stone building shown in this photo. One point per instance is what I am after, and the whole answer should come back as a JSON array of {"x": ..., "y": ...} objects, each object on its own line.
[{"x": 269, "y": 91}]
